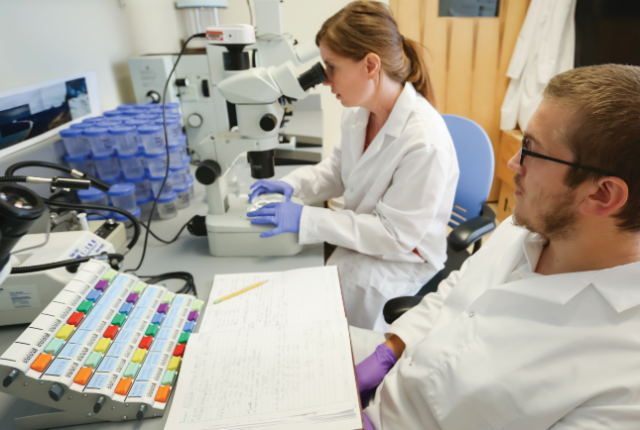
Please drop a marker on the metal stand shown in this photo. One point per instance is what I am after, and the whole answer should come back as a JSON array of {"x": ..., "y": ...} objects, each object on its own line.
[{"x": 54, "y": 420}]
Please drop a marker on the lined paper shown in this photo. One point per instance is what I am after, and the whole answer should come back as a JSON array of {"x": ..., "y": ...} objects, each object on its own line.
[{"x": 277, "y": 356}]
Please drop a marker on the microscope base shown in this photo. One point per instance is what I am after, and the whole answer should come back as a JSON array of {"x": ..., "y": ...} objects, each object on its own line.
[{"x": 233, "y": 235}]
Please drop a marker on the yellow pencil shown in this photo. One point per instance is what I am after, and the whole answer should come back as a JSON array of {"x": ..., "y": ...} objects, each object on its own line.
[{"x": 238, "y": 292}]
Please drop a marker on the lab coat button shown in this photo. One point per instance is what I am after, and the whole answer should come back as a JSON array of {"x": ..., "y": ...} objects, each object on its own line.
[{"x": 471, "y": 314}]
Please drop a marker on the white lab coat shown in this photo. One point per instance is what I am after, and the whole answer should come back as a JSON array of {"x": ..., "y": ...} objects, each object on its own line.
[
  {"x": 545, "y": 48},
  {"x": 553, "y": 352},
  {"x": 398, "y": 198}
]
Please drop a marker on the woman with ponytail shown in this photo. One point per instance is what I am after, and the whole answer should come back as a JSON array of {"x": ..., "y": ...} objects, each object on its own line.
[{"x": 395, "y": 165}]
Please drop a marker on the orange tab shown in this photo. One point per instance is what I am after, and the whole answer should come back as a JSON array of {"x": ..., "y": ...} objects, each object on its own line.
[
  {"x": 83, "y": 376},
  {"x": 123, "y": 386},
  {"x": 42, "y": 362},
  {"x": 163, "y": 393}
]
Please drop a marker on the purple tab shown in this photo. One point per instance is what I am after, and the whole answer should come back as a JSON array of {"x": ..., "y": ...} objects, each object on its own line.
[
  {"x": 162, "y": 309},
  {"x": 101, "y": 285},
  {"x": 193, "y": 315},
  {"x": 133, "y": 297}
]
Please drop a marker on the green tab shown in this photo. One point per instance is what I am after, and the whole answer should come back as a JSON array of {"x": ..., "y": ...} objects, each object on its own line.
[
  {"x": 118, "y": 319},
  {"x": 184, "y": 337},
  {"x": 93, "y": 359},
  {"x": 54, "y": 346},
  {"x": 110, "y": 275},
  {"x": 197, "y": 305},
  {"x": 85, "y": 306},
  {"x": 139, "y": 288},
  {"x": 168, "y": 298},
  {"x": 132, "y": 370},
  {"x": 168, "y": 378},
  {"x": 152, "y": 330}
]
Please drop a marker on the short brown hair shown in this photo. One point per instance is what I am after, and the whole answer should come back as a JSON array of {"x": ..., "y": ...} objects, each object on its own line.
[
  {"x": 606, "y": 134},
  {"x": 364, "y": 27}
]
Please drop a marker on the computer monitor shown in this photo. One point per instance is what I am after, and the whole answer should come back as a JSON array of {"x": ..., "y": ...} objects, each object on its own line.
[{"x": 31, "y": 114}]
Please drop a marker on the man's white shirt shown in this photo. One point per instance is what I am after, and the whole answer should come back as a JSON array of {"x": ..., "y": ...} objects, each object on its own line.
[{"x": 501, "y": 347}]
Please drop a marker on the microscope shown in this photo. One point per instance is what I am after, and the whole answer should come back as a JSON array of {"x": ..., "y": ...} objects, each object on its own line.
[
  {"x": 28, "y": 290},
  {"x": 257, "y": 95}
]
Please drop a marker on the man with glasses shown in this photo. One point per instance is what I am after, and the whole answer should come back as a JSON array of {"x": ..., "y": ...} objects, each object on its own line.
[{"x": 540, "y": 329}]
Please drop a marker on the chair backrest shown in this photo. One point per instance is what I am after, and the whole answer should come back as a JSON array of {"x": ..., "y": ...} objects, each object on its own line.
[{"x": 476, "y": 162}]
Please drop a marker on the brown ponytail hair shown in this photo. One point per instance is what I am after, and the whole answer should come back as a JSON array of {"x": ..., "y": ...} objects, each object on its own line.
[{"x": 364, "y": 27}]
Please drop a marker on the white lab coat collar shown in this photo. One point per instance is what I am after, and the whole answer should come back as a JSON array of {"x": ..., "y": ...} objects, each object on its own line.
[
  {"x": 392, "y": 128},
  {"x": 619, "y": 285},
  {"x": 399, "y": 114}
]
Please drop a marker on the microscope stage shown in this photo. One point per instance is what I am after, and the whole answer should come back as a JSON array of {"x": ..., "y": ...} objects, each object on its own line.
[{"x": 233, "y": 235}]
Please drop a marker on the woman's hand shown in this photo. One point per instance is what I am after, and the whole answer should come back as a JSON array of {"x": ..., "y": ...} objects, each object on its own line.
[
  {"x": 285, "y": 215},
  {"x": 263, "y": 187}
]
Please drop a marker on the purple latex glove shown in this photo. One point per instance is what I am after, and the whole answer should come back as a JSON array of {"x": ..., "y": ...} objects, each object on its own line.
[
  {"x": 285, "y": 215},
  {"x": 372, "y": 370},
  {"x": 264, "y": 187},
  {"x": 367, "y": 423}
]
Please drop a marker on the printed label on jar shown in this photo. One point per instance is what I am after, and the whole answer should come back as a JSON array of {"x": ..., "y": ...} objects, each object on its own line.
[
  {"x": 106, "y": 142},
  {"x": 170, "y": 208},
  {"x": 157, "y": 141},
  {"x": 183, "y": 199}
]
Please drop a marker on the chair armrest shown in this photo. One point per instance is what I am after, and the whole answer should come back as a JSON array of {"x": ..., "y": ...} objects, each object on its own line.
[
  {"x": 467, "y": 233},
  {"x": 394, "y": 308},
  {"x": 487, "y": 212}
]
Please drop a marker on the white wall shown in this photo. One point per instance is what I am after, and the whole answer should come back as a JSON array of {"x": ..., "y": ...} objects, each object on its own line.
[{"x": 43, "y": 39}]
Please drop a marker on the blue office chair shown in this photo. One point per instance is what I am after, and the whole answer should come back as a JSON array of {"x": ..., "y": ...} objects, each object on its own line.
[{"x": 471, "y": 218}]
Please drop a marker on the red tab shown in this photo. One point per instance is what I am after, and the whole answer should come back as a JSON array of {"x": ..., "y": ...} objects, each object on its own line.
[
  {"x": 111, "y": 331},
  {"x": 75, "y": 319},
  {"x": 145, "y": 343},
  {"x": 179, "y": 351}
]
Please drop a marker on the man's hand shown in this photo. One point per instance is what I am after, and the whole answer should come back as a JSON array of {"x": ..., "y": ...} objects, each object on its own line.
[
  {"x": 396, "y": 345},
  {"x": 372, "y": 370}
]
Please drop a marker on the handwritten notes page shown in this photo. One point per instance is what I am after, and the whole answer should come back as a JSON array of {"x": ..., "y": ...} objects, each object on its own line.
[{"x": 275, "y": 357}]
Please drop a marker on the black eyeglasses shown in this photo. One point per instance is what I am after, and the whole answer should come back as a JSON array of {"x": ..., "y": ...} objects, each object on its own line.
[{"x": 524, "y": 151}]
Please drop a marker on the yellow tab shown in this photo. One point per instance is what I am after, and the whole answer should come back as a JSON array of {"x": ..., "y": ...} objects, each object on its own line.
[
  {"x": 138, "y": 356},
  {"x": 102, "y": 345},
  {"x": 174, "y": 363},
  {"x": 65, "y": 332}
]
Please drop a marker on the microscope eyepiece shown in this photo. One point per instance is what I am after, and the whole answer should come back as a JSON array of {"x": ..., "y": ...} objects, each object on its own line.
[
  {"x": 312, "y": 77},
  {"x": 19, "y": 209}
]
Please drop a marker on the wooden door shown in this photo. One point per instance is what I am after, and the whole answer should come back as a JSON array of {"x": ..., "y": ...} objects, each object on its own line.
[{"x": 467, "y": 58}]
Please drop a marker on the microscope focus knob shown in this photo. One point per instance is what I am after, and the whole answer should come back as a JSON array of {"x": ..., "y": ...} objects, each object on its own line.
[
  {"x": 268, "y": 122},
  {"x": 208, "y": 171},
  {"x": 153, "y": 97},
  {"x": 182, "y": 82},
  {"x": 194, "y": 120}
]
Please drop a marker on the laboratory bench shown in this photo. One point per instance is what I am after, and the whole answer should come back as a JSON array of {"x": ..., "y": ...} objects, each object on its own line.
[{"x": 188, "y": 253}]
